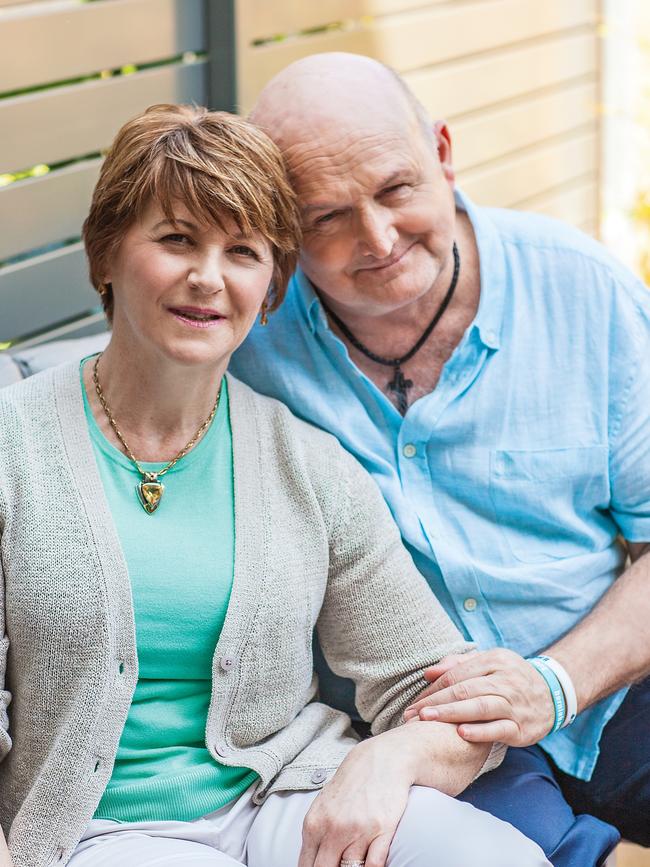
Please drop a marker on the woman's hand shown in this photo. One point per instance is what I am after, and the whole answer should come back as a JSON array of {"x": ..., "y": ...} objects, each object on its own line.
[
  {"x": 357, "y": 813},
  {"x": 493, "y": 695},
  {"x": 5, "y": 858}
]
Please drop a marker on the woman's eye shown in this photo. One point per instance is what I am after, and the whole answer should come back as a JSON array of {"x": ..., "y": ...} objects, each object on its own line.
[
  {"x": 243, "y": 250},
  {"x": 176, "y": 238}
]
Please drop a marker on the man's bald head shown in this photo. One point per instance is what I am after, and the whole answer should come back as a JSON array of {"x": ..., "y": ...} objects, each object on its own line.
[
  {"x": 373, "y": 178},
  {"x": 338, "y": 92}
]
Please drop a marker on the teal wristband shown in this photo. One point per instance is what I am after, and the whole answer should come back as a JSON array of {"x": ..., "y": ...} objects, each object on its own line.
[{"x": 555, "y": 688}]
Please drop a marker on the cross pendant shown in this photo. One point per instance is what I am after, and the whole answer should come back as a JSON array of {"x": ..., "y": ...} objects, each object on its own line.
[{"x": 400, "y": 386}]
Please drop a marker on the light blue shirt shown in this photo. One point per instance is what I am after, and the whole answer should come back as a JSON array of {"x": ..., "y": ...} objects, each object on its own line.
[{"x": 513, "y": 480}]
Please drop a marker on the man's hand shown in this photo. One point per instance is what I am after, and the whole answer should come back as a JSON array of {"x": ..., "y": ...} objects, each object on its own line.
[{"x": 493, "y": 695}]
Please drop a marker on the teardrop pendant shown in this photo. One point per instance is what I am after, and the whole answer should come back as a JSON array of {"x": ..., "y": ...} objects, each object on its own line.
[{"x": 150, "y": 492}]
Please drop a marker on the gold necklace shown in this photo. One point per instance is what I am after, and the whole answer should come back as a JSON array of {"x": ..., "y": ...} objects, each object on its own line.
[{"x": 149, "y": 490}]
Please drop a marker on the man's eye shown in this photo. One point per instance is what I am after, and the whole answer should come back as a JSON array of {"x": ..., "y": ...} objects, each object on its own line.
[
  {"x": 326, "y": 218},
  {"x": 396, "y": 188}
]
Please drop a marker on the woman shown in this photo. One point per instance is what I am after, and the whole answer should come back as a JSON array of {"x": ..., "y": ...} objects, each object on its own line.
[{"x": 170, "y": 540}]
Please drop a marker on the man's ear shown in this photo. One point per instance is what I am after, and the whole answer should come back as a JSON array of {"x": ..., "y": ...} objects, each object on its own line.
[{"x": 443, "y": 142}]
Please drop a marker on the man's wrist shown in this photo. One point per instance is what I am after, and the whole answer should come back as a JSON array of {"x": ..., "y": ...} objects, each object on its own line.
[{"x": 561, "y": 688}]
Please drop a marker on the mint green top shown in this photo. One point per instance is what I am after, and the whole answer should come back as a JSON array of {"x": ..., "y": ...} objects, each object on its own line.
[{"x": 180, "y": 561}]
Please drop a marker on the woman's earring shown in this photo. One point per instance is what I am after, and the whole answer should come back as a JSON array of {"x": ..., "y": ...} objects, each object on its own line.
[{"x": 264, "y": 319}]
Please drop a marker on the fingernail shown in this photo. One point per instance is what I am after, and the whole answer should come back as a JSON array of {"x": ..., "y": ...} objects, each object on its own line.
[
  {"x": 409, "y": 713},
  {"x": 428, "y": 713}
]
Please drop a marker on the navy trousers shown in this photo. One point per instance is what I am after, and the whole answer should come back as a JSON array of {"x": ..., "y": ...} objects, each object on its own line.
[
  {"x": 524, "y": 792},
  {"x": 619, "y": 790},
  {"x": 577, "y": 823}
]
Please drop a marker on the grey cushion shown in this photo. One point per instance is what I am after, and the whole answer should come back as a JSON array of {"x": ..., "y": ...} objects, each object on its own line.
[
  {"x": 37, "y": 358},
  {"x": 9, "y": 370}
]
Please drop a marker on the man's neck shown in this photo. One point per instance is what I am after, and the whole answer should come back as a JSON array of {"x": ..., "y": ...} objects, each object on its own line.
[{"x": 394, "y": 334}]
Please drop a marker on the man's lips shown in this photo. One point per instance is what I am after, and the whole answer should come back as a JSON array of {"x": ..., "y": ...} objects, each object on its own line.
[{"x": 386, "y": 263}]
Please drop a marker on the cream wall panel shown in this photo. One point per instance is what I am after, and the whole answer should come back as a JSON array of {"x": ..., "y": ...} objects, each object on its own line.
[
  {"x": 513, "y": 179},
  {"x": 469, "y": 84},
  {"x": 411, "y": 40},
  {"x": 498, "y": 132},
  {"x": 576, "y": 203},
  {"x": 259, "y": 19}
]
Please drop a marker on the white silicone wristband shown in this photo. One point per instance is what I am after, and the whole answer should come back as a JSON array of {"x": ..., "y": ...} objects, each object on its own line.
[{"x": 567, "y": 688}]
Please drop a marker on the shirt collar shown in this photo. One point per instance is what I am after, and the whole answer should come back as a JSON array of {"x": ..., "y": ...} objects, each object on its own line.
[
  {"x": 489, "y": 317},
  {"x": 488, "y": 321},
  {"x": 309, "y": 302}
]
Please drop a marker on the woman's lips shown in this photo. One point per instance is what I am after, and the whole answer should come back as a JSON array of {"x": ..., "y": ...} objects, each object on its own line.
[{"x": 196, "y": 317}]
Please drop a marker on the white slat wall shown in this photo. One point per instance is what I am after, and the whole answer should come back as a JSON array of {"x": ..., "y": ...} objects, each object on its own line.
[
  {"x": 58, "y": 113},
  {"x": 517, "y": 80}
]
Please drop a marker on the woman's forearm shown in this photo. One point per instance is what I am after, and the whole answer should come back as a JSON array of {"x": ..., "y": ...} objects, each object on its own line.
[{"x": 438, "y": 757}]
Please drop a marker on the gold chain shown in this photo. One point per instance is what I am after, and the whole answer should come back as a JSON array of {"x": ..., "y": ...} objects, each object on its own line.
[{"x": 118, "y": 433}]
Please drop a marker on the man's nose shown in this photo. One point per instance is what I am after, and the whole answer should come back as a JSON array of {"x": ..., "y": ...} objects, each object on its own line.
[
  {"x": 377, "y": 233},
  {"x": 207, "y": 273}
]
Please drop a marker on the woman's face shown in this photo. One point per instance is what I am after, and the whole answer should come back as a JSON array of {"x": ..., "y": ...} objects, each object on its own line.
[{"x": 189, "y": 291}]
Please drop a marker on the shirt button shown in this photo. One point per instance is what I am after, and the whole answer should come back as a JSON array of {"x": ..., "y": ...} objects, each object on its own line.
[
  {"x": 409, "y": 450},
  {"x": 470, "y": 604},
  {"x": 319, "y": 776},
  {"x": 227, "y": 663}
]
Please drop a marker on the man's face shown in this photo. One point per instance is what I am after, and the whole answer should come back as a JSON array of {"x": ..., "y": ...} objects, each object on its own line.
[{"x": 378, "y": 215}]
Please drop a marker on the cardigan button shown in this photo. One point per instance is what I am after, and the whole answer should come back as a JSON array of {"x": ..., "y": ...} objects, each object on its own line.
[
  {"x": 319, "y": 776},
  {"x": 227, "y": 663},
  {"x": 220, "y": 751}
]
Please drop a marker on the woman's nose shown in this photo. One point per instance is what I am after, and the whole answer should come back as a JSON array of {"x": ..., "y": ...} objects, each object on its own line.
[{"x": 206, "y": 274}]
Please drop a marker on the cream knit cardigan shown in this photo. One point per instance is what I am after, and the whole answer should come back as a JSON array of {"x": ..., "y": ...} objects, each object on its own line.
[{"x": 315, "y": 547}]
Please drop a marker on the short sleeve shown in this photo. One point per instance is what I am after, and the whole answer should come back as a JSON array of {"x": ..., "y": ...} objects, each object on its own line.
[{"x": 629, "y": 413}]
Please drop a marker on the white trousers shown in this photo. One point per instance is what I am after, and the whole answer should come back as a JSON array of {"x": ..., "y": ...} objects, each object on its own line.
[{"x": 435, "y": 831}]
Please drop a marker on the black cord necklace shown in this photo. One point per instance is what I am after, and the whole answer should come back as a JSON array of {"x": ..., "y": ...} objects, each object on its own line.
[{"x": 399, "y": 384}]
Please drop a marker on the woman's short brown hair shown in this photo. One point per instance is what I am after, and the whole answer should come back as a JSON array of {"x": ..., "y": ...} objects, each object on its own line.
[{"x": 220, "y": 166}]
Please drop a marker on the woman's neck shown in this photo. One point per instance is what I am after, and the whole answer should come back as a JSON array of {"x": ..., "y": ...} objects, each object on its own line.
[{"x": 157, "y": 404}]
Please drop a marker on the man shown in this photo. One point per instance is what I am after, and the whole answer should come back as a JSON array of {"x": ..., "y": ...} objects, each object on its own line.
[{"x": 490, "y": 369}]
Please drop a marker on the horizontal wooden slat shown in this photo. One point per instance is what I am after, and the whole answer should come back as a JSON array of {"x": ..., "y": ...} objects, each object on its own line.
[
  {"x": 86, "y": 326},
  {"x": 47, "y": 289},
  {"x": 259, "y": 19},
  {"x": 55, "y": 125},
  {"x": 410, "y": 40},
  {"x": 46, "y": 210},
  {"x": 20, "y": 2},
  {"x": 457, "y": 87},
  {"x": 494, "y": 133},
  {"x": 575, "y": 204},
  {"x": 73, "y": 39},
  {"x": 515, "y": 178}
]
